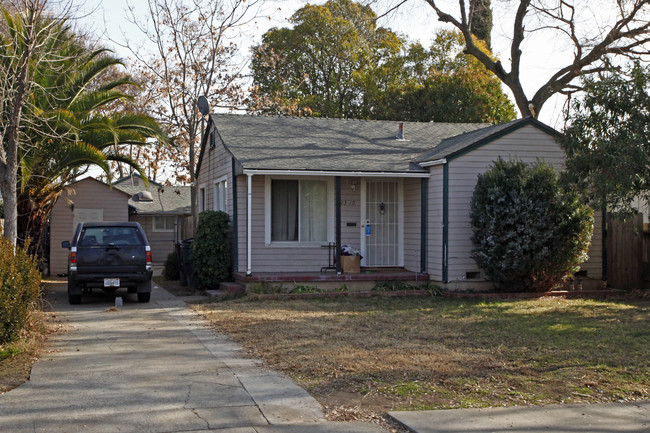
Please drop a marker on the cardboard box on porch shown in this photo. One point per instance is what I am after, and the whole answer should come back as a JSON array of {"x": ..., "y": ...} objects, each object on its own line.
[{"x": 351, "y": 264}]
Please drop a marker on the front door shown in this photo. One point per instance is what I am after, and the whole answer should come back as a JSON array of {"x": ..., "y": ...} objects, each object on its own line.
[{"x": 381, "y": 231}]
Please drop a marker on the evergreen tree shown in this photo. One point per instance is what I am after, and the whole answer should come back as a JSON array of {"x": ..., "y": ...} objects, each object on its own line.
[{"x": 480, "y": 20}]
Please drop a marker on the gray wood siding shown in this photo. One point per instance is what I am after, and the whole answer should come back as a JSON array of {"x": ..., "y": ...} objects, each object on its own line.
[
  {"x": 528, "y": 144},
  {"x": 85, "y": 194},
  {"x": 276, "y": 258},
  {"x": 412, "y": 229},
  {"x": 161, "y": 243},
  {"x": 216, "y": 163},
  {"x": 434, "y": 223},
  {"x": 292, "y": 258}
]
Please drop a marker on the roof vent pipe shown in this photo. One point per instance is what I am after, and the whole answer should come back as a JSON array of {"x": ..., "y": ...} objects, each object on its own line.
[{"x": 400, "y": 131}]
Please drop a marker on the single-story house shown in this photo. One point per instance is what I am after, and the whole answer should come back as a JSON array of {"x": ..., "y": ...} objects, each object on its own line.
[
  {"x": 397, "y": 191},
  {"x": 163, "y": 211}
]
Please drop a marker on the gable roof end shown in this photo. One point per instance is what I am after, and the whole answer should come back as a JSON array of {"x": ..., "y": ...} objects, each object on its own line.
[{"x": 456, "y": 146}]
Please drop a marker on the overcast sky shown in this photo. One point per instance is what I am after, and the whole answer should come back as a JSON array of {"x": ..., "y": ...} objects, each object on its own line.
[{"x": 416, "y": 20}]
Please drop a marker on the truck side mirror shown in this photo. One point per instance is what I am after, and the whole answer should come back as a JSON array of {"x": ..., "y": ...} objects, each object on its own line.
[{"x": 65, "y": 244}]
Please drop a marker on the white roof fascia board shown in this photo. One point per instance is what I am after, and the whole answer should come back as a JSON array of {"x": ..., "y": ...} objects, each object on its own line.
[
  {"x": 434, "y": 162},
  {"x": 335, "y": 173}
]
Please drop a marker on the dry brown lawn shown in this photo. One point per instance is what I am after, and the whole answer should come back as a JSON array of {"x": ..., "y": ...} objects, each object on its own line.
[
  {"x": 17, "y": 358},
  {"x": 372, "y": 355}
]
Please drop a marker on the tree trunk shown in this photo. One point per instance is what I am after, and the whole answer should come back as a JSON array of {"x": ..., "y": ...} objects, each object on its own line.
[
  {"x": 8, "y": 187},
  {"x": 33, "y": 222},
  {"x": 9, "y": 178},
  {"x": 193, "y": 189}
]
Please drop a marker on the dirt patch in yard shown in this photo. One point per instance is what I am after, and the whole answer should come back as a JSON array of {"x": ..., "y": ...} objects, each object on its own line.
[
  {"x": 175, "y": 288},
  {"x": 366, "y": 356}
]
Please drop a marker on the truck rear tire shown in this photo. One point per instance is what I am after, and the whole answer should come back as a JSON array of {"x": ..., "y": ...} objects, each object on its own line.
[
  {"x": 74, "y": 299},
  {"x": 144, "y": 296}
]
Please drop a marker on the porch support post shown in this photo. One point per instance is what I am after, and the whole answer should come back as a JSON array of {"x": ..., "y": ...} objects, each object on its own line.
[
  {"x": 249, "y": 222},
  {"x": 423, "y": 224},
  {"x": 235, "y": 219},
  {"x": 445, "y": 223},
  {"x": 338, "y": 225}
]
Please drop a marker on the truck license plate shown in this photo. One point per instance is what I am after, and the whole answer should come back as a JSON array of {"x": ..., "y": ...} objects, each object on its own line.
[{"x": 111, "y": 282}]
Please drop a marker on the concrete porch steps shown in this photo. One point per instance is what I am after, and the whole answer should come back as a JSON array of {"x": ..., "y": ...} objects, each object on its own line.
[{"x": 366, "y": 280}]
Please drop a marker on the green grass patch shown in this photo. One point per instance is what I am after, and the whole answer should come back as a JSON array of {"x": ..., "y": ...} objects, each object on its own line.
[{"x": 7, "y": 353}]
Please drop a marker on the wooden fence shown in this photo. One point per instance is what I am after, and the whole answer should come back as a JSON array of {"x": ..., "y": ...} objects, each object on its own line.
[{"x": 627, "y": 254}]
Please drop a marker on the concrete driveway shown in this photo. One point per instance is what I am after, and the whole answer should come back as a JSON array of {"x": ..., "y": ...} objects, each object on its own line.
[{"x": 153, "y": 368}]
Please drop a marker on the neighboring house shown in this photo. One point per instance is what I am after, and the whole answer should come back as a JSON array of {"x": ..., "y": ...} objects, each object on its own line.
[
  {"x": 163, "y": 211},
  {"x": 399, "y": 192},
  {"x": 84, "y": 200}
]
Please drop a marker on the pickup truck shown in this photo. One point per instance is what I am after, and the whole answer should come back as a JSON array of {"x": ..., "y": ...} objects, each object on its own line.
[{"x": 109, "y": 255}]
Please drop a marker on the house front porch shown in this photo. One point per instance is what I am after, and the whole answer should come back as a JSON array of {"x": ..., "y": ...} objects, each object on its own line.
[{"x": 368, "y": 279}]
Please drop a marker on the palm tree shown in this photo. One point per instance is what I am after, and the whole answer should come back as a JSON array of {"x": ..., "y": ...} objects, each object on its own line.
[{"x": 74, "y": 125}]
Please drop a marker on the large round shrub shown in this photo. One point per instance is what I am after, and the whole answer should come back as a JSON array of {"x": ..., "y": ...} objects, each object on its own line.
[
  {"x": 211, "y": 250},
  {"x": 530, "y": 232}
]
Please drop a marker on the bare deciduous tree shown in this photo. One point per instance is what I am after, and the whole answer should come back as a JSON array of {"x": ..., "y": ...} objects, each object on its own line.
[
  {"x": 194, "y": 54},
  {"x": 23, "y": 44},
  {"x": 596, "y": 32}
]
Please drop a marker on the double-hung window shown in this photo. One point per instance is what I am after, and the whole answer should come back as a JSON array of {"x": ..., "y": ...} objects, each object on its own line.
[
  {"x": 298, "y": 210},
  {"x": 164, "y": 223},
  {"x": 220, "y": 194}
]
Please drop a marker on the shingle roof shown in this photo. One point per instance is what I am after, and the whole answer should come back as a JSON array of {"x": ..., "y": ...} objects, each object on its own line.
[
  {"x": 167, "y": 200},
  {"x": 298, "y": 143},
  {"x": 459, "y": 143}
]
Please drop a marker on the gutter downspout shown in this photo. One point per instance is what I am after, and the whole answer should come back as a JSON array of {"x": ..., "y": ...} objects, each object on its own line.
[{"x": 249, "y": 222}]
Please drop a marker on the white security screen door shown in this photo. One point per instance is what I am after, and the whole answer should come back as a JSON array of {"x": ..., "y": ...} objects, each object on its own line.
[{"x": 382, "y": 214}]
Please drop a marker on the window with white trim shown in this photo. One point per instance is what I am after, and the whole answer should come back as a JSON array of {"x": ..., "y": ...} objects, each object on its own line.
[
  {"x": 164, "y": 223},
  {"x": 299, "y": 211},
  {"x": 220, "y": 194}
]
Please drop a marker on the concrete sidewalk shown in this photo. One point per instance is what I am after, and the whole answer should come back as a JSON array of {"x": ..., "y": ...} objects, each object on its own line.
[
  {"x": 154, "y": 368},
  {"x": 594, "y": 418}
]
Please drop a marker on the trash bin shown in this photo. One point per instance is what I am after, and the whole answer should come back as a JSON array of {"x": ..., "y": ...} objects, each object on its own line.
[
  {"x": 179, "y": 259},
  {"x": 184, "y": 254}
]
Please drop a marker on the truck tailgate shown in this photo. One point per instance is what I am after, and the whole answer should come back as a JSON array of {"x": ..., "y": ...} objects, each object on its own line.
[{"x": 111, "y": 259}]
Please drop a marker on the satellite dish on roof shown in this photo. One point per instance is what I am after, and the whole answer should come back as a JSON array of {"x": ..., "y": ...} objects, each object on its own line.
[{"x": 204, "y": 106}]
